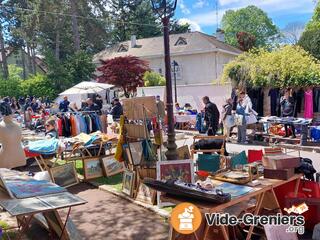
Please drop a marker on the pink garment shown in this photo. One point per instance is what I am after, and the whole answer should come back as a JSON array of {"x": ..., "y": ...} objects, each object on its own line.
[{"x": 308, "y": 104}]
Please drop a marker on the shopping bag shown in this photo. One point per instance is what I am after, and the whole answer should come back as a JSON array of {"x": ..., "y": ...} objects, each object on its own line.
[
  {"x": 251, "y": 119},
  {"x": 238, "y": 119},
  {"x": 229, "y": 121}
]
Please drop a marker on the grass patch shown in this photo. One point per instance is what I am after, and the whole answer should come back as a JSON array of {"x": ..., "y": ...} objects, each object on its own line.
[
  {"x": 6, "y": 235},
  {"x": 114, "y": 181}
]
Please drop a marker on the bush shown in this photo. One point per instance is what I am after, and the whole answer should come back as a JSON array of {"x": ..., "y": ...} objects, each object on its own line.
[
  {"x": 289, "y": 66},
  {"x": 151, "y": 78},
  {"x": 38, "y": 85}
]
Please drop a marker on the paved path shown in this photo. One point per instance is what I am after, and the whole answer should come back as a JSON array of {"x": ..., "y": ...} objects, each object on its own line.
[{"x": 107, "y": 216}]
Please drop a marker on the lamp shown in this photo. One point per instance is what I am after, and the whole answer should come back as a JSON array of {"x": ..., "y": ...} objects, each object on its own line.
[{"x": 165, "y": 10}]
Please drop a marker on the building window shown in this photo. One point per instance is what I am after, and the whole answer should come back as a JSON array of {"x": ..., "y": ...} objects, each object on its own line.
[
  {"x": 123, "y": 48},
  {"x": 181, "y": 41}
]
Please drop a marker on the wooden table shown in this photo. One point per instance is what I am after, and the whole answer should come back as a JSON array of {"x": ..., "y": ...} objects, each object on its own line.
[{"x": 264, "y": 194}]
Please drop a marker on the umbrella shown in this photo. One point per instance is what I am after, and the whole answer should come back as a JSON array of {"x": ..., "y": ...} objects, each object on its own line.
[{"x": 87, "y": 88}]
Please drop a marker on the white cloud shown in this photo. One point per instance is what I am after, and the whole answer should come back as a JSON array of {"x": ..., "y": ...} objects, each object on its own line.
[
  {"x": 184, "y": 9},
  {"x": 200, "y": 4},
  {"x": 272, "y": 7},
  {"x": 193, "y": 25}
]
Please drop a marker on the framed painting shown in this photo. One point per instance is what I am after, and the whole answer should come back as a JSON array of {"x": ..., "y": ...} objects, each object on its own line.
[
  {"x": 92, "y": 168},
  {"x": 183, "y": 152},
  {"x": 64, "y": 175},
  {"x": 175, "y": 169},
  {"x": 128, "y": 182},
  {"x": 111, "y": 166},
  {"x": 136, "y": 152},
  {"x": 127, "y": 154},
  {"x": 146, "y": 194}
]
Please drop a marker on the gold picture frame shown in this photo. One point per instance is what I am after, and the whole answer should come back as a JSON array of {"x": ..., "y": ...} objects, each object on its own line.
[
  {"x": 64, "y": 175},
  {"x": 92, "y": 168}
]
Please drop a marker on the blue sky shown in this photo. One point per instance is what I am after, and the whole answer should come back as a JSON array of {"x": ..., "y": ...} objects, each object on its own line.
[{"x": 201, "y": 14}]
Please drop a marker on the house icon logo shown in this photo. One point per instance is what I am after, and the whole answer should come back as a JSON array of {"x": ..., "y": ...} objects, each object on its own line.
[{"x": 186, "y": 218}]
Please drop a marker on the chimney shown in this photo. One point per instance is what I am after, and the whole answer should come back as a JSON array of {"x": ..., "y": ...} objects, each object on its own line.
[
  {"x": 133, "y": 41},
  {"x": 220, "y": 35}
]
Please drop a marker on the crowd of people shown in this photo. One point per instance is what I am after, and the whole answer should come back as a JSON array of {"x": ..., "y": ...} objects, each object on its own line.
[{"x": 42, "y": 109}]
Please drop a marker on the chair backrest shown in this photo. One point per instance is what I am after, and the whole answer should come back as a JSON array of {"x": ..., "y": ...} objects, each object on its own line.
[
  {"x": 239, "y": 159},
  {"x": 208, "y": 162},
  {"x": 254, "y": 155}
]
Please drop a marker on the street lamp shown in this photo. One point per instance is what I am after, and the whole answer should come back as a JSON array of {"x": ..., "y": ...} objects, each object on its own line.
[
  {"x": 175, "y": 69},
  {"x": 165, "y": 10}
]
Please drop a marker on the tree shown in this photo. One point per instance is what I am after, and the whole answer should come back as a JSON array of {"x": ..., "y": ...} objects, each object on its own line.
[
  {"x": 176, "y": 27},
  {"x": 133, "y": 17},
  {"x": 314, "y": 23},
  {"x": 288, "y": 66},
  {"x": 151, "y": 78},
  {"x": 124, "y": 72},
  {"x": 251, "y": 20},
  {"x": 246, "y": 41},
  {"x": 310, "y": 41}
]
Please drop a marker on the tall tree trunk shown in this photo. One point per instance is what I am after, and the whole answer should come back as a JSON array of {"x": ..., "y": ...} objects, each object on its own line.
[
  {"x": 33, "y": 58},
  {"x": 75, "y": 26},
  {"x": 4, "y": 56},
  {"x": 23, "y": 59},
  {"x": 29, "y": 58}
]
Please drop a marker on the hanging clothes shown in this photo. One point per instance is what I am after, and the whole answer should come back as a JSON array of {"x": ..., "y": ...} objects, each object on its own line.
[
  {"x": 298, "y": 97},
  {"x": 308, "y": 103},
  {"x": 316, "y": 100},
  {"x": 274, "y": 95}
]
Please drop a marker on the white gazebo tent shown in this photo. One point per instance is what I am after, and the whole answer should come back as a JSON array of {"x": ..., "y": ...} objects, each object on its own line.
[{"x": 81, "y": 91}]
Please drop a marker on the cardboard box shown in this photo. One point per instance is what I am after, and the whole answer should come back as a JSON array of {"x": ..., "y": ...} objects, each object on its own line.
[{"x": 280, "y": 161}]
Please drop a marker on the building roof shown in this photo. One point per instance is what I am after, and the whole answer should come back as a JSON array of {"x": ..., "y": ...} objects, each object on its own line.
[{"x": 196, "y": 42}]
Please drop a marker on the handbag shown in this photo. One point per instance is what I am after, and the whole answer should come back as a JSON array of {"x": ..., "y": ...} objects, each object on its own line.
[
  {"x": 251, "y": 119},
  {"x": 238, "y": 120}
]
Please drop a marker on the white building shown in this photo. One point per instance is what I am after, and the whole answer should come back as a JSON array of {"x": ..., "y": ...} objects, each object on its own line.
[{"x": 200, "y": 57}]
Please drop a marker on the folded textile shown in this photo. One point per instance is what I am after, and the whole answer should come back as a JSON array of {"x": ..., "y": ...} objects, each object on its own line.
[{"x": 47, "y": 146}]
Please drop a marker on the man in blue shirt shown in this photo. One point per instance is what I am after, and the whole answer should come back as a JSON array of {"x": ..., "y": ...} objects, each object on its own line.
[{"x": 64, "y": 105}]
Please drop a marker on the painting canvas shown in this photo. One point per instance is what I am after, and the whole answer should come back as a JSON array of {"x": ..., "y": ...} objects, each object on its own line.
[
  {"x": 92, "y": 168},
  {"x": 61, "y": 200},
  {"x": 18, "y": 207},
  {"x": 111, "y": 166},
  {"x": 146, "y": 194},
  {"x": 183, "y": 152},
  {"x": 177, "y": 169},
  {"x": 136, "y": 152},
  {"x": 32, "y": 188},
  {"x": 64, "y": 175},
  {"x": 127, "y": 154},
  {"x": 128, "y": 182}
]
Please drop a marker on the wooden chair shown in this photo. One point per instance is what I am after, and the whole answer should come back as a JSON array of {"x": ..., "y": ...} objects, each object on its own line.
[{"x": 201, "y": 137}]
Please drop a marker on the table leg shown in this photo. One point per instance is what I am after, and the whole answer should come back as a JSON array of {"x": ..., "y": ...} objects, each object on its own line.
[
  {"x": 65, "y": 224},
  {"x": 276, "y": 200},
  {"x": 296, "y": 188},
  {"x": 224, "y": 233},
  {"x": 24, "y": 225},
  {"x": 256, "y": 212}
]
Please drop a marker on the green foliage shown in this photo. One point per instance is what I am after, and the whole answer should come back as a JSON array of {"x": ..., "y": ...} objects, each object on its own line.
[
  {"x": 314, "y": 23},
  {"x": 10, "y": 86},
  {"x": 73, "y": 70},
  {"x": 288, "y": 66},
  {"x": 310, "y": 41},
  {"x": 38, "y": 85},
  {"x": 151, "y": 78},
  {"x": 251, "y": 20}
]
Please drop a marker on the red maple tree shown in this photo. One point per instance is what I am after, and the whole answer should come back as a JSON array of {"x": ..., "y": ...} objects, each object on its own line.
[
  {"x": 124, "y": 72},
  {"x": 246, "y": 40}
]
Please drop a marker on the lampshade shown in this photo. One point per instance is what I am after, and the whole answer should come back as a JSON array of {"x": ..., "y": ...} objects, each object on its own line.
[{"x": 164, "y": 8}]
